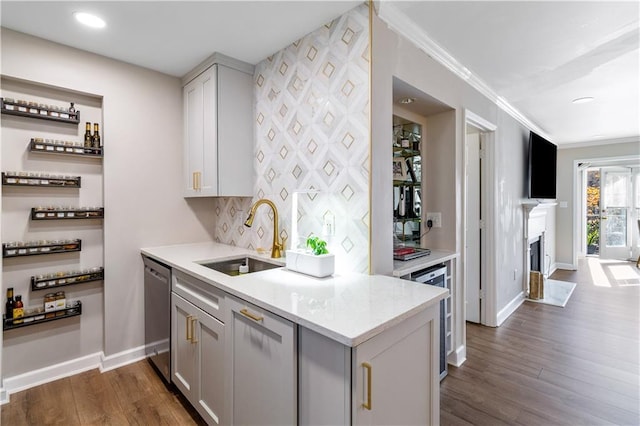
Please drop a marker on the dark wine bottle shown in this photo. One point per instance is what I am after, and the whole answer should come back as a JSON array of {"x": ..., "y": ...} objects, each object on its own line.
[
  {"x": 87, "y": 136},
  {"x": 10, "y": 304},
  {"x": 96, "y": 135}
]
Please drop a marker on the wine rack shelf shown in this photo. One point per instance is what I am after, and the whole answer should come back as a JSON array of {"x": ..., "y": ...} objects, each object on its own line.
[
  {"x": 42, "y": 317},
  {"x": 49, "y": 281},
  {"x": 39, "y": 213},
  {"x": 64, "y": 149},
  {"x": 33, "y": 249},
  {"x": 33, "y": 110}
]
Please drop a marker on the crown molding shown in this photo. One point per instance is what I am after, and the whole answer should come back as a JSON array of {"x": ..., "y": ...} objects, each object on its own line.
[
  {"x": 398, "y": 22},
  {"x": 630, "y": 139}
]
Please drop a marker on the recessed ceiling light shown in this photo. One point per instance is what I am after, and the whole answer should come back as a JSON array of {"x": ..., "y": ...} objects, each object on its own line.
[
  {"x": 89, "y": 20},
  {"x": 407, "y": 100},
  {"x": 583, "y": 100}
]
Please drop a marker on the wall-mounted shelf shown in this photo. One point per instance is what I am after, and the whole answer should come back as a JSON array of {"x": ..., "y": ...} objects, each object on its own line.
[
  {"x": 54, "y": 213},
  {"x": 64, "y": 148},
  {"x": 61, "y": 279},
  {"x": 40, "y": 317},
  {"x": 405, "y": 152},
  {"x": 35, "y": 110},
  {"x": 20, "y": 249},
  {"x": 42, "y": 180}
]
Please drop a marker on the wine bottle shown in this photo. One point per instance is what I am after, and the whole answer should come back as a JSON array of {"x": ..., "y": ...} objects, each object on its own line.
[
  {"x": 18, "y": 310},
  {"x": 96, "y": 135},
  {"x": 10, "y": 304},
  {"x": 87, "y": 136}
]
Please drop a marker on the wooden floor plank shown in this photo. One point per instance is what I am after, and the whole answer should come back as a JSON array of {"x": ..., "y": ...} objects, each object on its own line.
[{"x": 556, "y": 366}]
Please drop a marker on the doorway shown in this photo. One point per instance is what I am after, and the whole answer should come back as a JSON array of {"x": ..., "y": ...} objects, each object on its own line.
[
  {"x": 611, "y": 210},
  {"x": 480, "y": 292}
]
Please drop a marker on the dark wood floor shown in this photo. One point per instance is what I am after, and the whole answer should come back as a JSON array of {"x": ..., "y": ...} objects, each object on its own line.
[{"x": 546, "y": 365}]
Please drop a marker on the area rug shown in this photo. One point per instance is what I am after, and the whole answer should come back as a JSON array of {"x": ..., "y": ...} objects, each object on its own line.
[{"x": 556, "y": 293}]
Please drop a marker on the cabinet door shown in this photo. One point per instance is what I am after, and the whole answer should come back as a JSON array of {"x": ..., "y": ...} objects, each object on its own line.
[
  {"x": 395, "y": 374},
  {"x": 197, "y": 342},
  {"x": 263, "y": 377},
  {"x": 200, "y": 136},
  {"x": 210, "y": 389},
  {"x": 184, "y": 351}
]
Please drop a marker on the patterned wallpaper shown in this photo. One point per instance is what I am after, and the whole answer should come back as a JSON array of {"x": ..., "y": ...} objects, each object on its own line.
[{"x": 312, "y": 134}]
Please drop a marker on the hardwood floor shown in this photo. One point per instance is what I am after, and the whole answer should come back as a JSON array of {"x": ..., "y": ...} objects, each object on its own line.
[
  {"x": 546, "y": 365},
  {"x": 130, "y": 395}
]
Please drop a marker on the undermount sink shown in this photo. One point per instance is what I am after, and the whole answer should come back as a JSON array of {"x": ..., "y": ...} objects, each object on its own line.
[{"x": 232, "y": 266}]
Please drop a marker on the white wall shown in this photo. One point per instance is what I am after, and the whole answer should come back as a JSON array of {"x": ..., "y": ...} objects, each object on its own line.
[
  {"x": 393, "y": 55},
  {"x": 565, "y": 220},
  {"x": 142, "y": 131}
]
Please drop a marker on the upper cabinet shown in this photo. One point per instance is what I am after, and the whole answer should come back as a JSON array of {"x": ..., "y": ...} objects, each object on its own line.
[{"x": 218, "y": 129}]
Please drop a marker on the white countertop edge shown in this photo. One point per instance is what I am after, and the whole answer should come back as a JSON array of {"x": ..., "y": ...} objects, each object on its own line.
[{"x": 406, "y": 267}]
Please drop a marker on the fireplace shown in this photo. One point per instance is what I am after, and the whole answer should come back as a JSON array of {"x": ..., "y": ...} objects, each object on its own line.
[
  {"x": 535, "y": 228},
  {"x": 534, "y": 255}
]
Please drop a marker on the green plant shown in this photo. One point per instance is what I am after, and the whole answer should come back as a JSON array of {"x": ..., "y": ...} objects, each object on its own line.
[
  {"x": 593, "y": 233},
  {"x": 317, "y": 245}
]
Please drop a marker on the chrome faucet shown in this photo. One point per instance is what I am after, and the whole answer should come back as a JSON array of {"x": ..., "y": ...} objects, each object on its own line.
[{"x": 278, "y": 246}]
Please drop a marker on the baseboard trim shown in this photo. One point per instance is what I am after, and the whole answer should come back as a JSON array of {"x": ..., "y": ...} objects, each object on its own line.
[
  {"x": 457, "y": 357},
  {"x": 567, "y": 266},
  {"x": 121, "y": 359},
  {"x": 48, "y": 374},
  {"x": 511, "y": 307},
  {"x": 69, "y": 368}
]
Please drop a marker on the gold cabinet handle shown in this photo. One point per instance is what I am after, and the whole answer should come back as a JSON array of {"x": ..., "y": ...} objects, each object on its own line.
[
  {"x": 193, "y": 325},
  {"x": 199, "y": 176},
  {"x": 189, "y": 331},
  {"x": 246, "y": 313},
  {"x": 367, "y": 405}
]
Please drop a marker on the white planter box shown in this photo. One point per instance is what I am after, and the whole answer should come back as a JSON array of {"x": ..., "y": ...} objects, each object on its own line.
[{"x": 310, "y": 264}]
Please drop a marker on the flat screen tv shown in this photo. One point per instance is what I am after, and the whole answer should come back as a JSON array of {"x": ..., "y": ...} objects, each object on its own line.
[{"x": 542, "y": 167}]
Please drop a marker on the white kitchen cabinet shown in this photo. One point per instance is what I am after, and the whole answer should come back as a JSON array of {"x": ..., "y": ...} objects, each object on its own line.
[
  {"x": 218, "y": 129},
  {"x": 197, "y": 353},
  {"x": 391, "y": 378},
  {"x": 261, "y": 349}
]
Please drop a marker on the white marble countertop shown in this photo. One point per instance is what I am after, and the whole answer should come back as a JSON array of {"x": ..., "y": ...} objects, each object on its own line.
[
  {"x": 347, "y": 308},
  {"x": 405, "y": 267}
]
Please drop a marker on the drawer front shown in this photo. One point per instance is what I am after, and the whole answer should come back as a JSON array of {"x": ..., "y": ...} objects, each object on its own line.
[{"x": 203, "y": 295}]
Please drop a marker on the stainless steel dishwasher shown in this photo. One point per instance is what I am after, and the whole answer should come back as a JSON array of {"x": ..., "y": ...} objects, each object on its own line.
[{"x": 157, "y": 316}]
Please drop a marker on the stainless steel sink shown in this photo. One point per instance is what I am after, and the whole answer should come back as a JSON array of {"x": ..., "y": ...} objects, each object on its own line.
[{"x": 232, "y": 266}]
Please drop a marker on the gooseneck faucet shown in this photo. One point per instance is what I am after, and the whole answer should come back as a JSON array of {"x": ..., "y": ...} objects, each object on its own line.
[{"x": 278, "y": 246}]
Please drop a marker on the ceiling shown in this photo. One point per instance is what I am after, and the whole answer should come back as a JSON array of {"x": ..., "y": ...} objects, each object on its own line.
[{"x": 536, "y": 56}]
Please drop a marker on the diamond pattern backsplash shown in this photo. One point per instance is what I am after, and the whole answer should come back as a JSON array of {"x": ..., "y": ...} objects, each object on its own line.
[{"x": 312, "y": 133}]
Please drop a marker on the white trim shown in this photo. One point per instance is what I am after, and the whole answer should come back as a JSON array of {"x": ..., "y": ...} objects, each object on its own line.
[
  {"x": 600, "y": 142},
  {"x": 403, "y": 25},
  {"x": 121, "y": 358},
  {"x": 566, "y": 266},
  {"x": 457, "y": 357},
  {"x": 69, "y": 368},
  {"x": 475, "y": 120},
  {"x": 48, "y": 374},
  {"x": 510, "y": 308}
]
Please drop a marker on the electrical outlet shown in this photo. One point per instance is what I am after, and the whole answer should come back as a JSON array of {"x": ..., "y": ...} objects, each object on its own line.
[
  {"x": 435, "y": 218},
  {"x": 329, "y": 225}
]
